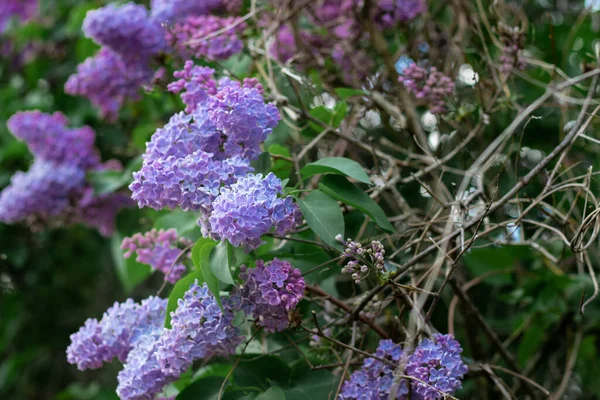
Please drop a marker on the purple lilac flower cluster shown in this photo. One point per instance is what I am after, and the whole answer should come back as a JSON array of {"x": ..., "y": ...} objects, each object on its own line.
[
  {"x": 431, "y": 86},
  {"x": 159, "y": 249},
  {"x": 363, "y": 259},
  {"x": 54, "y": 191},
  {"x": 199, "y": 329},
  {"x": 375, "y": 379},
  {"x": 171, "y": 11},
  {"x": 193, "y": 37},
  {"x": 24, "y": 10},
  {"x": 250, "y": 208},
  {"x": 438, "y": 363},
  {"x": 512, "y": 38},
  {"x": 435, "y": 365},
  {"x": 391, "y": 12},
  {"x": 269, "y": 292},
  {"x": 121, "y": 327}
]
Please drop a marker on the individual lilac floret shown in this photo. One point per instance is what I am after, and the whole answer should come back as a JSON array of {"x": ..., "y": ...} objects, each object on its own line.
[
  {"x": 240, "y": 114},
  {"x": 126, "y": 30},
  {"x": 108, "y": 81},
  {"x": 159, "y": 249},
  {"x": 196, "y": 37},
  {"x": 40, "y": 194},
  {"x": 438, "y": 363},
  {"x": 171, "y": 11},
  {"x": 390, "y": 12},
  {"x": 250, "y": 208},
  {"x": 119, "y": 330},
  {"x": 430, "y": 86},
  {"x": 375, "y": 379},
  {"x": 141, "y": 377},
  {"x": 48, "y": 137},
  {"x": 362, "y": 259},
  {"x": 269, "y": 292},
  {"x": 196, "y": 83},
  {"x": 23, "y": 10},
  {"x": 200, "y": 329}
]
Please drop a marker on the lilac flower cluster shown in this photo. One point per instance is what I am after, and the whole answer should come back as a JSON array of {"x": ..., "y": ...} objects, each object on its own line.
[
  {"x": 199, "y": 329},
  {"x": 121, "y": 327},
  {"x": 171, "y": 11},
  {"x": 158, "y": 248},
  {"x": 431, "y": 86},
  {"x": 512, "y": 39},
  {"x": 54, "y": 191},
  {"x": 250, "y": 208},
  {"x": 194, "y": 37},
  {"x": 195, "y": 84},
  {"x": 269, "y": 292},
  {"x": 127, "y": 30},
  {"x": 375, "y": 379},
  {"x": 390, "y": 12},
  {"x": 438, "y": 363},
  {"x": 435, "y": 365},
  {"x": 24, "y": 10},
  {"x": 363, "y": 259}
]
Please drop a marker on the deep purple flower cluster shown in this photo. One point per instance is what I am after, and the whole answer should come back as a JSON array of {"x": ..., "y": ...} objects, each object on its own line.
[
  {"x": 54, "y": 191},
  {"x": 250, "y": 208},
  {"x": 108, "y": 81},
  {"x": 375, "y": 379},
  {"x": 171, "y": 11},
  {"x": 24, "y": 10},
  {"x": 362, "y": 259},
  {"x": 121, "y": 327},
  {"x": 199, "y": 329},
  {"x": 196, "y": 37},
  {"x": 431, "y": 86},
  {"x": 438, "y": 363},
  {"x": 158, "y": 248},
  {"x": 435, "y": 365},
  {"x": 390, "y": 12},
  {"x": 269, "y": 292},
  {"x": 127, "y": 30}
]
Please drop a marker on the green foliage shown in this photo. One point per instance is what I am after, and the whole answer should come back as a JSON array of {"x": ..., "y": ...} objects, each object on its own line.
[
  {"x": 324, "y": 216},
  {"x": 336, "y": 165}
]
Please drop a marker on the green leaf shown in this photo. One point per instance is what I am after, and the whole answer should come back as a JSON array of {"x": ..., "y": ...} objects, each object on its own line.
[
  {"x": 183, "y": 221},
  {"x": 340, "y": 111},
  {"x": 109, "y": 181},
  {"x": 531, "y": 341},
  {"x": 201, "y": 259},
  {"x": 340, "y": 189},
  {"x": 260, "y": 372},
  {"x": 220, "y": 261},
  {"x": 345, "y": 93},
  {"x": 312, "y": 385},
  {"x": 262, "y": 164},
  {"x": 323, "y": 114},
  {"x": 324, "y": 216},
  {"x": 179, "y": 290},
  {"x": 336, "y": 165},
  {"x": 280, "y": 167},
  {"x": 274, "y": 393},
  {"x": 203, "y": 389},
  {"x": 130, "y": 272}
]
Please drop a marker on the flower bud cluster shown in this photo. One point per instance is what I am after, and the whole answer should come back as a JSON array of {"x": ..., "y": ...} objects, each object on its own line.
[
  {"x": 362, "y": 259},
  {"x": 431, "y": 86}
]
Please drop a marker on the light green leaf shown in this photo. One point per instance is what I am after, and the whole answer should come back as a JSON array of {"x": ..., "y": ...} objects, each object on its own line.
[
  {"x": 280, "y": 167},
  {"x": 201, "y": 259},
  {"x": 340, "y": 111},
  {"x": 274, "y": 393},
  {"x": 336, "y": 165},
  {"x": 179, "y": 290},
  {"x": 340, "y": 189},
  {"x": 220, "y": 261},
  {"x": 183, "y": 221},
  {"x": 324, "y": 216},
  {"x": 345, "y": 93}
]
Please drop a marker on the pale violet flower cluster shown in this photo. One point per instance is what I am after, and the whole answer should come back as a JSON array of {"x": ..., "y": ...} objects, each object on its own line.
[
  {"x": 362, "y": 259},
  {"x": 269, "y": 292},
  {"x": 121, "y": 327},
  {"x": 23, "y": 10},
  {"x": 154, "y": 356},
  {"x": 435, "y": 365},
  {"x": 428, "y": 85},
  {"x": 54, "y": 192},
  {"x": 170, "y": 11},
  {"x": 250, "y": 208},
  {"x": 159, "y": 249}
]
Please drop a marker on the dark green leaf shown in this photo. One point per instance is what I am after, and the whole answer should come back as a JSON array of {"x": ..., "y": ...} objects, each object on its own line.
[
  {"x": 324, "y": 216},
  {"x": 336, "y": 165},
  {"x": 201, "y": 259},
  {"x": 204, "y": 389},
  {"x": 273, "y": 393},
  {"x": 261, "y": 372},
  {"x": 340, "y": 189},
  {"x": 529, "y": 343},
  {"x": 312, "y": 385},
  {"x": 130, "y": 272},
  {"x": 220, "y": 261},
  {"x": 280, "y": 167},
  {"x": 179, "y": 290},
  {"x": 262, "y": 164}
]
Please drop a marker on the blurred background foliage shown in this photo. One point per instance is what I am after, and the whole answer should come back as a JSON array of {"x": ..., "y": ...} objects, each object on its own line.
[{"x": 51, "y": 281}]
